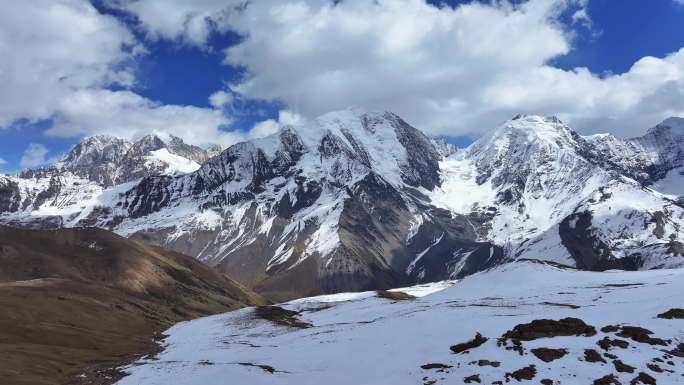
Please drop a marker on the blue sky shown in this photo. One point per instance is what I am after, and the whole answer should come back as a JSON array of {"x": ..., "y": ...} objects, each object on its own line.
[{"x": 178, "y": 66}]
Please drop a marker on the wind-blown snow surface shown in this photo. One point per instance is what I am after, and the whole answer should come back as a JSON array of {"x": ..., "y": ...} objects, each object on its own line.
[{"x": 363, "y": 339}]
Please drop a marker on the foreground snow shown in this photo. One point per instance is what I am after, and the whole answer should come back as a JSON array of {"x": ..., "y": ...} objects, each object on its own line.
[{"x": 363, "y": 339}]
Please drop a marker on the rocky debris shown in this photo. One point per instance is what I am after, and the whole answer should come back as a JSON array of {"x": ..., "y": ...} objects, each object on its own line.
[
  {"x": 591, "y": 355},
  {"x": 640, "y": 334},
  {"x": 643, "y": 378},
  {"x": 548, "y": 354},
  {"x": 622, "y": 367},
  {"x": 546, "y": 381},
  {"x": 606, "y": 343},
  {"x": 394, "y": 295},
  {"x": 475, "y": 342},
  {"x": 526, "y": 373},
  {"x": 265, "y": 368},
  {"x": 473, "y": 378},
  {"x": 655, "y": 368},
  {"x": 435, "y": 366},
  {"x": 609, "y": 379},
  {"x": 672, "y": 314},
  {"x": 494, "y": 364},
  {"x": 280, "y": 316},
  {"x": 611, "y": 356},
  {"x": 544, "y": 328}
]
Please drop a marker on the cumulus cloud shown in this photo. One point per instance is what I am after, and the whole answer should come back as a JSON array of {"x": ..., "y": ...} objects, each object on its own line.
[
  {"x": 59, "y": 60},
  {"x": 129, "y": 115},
  {"x": 50, "y": 49},
  {"x": 34, "y": 156},
  {"x": 220, "y": 99},
  {"x": 188, "y": 21},
  {"x": 447, "y": 70}
]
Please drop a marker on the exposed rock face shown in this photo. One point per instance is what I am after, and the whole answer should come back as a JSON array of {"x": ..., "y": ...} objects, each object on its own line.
[{"x": 360, "y": 200}]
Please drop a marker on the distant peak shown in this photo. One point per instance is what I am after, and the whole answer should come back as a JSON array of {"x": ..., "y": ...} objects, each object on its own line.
[
  {"x": 673, "y": 122},
  {"x": 100, "y": 138},
  {"x": 538, "y": 118},
  {"x": 356, "y": 112}
]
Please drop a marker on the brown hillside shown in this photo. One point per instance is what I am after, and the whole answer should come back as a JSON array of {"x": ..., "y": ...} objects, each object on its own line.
[{"x": 77, "y": 301}]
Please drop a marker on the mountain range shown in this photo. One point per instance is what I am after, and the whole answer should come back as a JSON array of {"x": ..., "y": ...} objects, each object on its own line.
[{"x": 357, "y": 200}]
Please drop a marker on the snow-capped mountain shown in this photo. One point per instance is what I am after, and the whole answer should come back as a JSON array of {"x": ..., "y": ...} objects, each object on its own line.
[
  {"x": 555, "y": 195},
  {"x": 360, "y": 200},
  {"x": 95, "y": 168}
]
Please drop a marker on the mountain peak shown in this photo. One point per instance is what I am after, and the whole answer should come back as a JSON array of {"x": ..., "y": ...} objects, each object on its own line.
[
  {"x": 674, "y": 124},
  {"x": 537, "y": 118},
  {"x": 95, "y": 149},
  {"x": 524, "y": 130}
]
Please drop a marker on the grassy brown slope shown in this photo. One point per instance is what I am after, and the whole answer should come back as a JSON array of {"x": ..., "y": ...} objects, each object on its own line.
[{"x": 76, "y": 301}]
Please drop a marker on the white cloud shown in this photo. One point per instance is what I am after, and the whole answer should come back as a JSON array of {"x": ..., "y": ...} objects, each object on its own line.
[
  {"x": 447, "y": 70},
  {"x": 49, "y": 49},
  {"x": 58, "y": 59},
  {"x": 129, "y": 115},
  {"x": 2, "y": 162},
  {"x": 189, "y": 21},
  {"x": 220, "y": 99},
  {"x": 34, "y": 156}
]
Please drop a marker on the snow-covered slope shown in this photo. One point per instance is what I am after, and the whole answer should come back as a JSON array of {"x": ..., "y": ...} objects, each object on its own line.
[
  {"x": 365, "y": 339},
  {"x": 358, "y": 200}
]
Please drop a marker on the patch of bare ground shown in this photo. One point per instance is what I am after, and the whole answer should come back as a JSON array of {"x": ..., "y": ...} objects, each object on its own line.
[
  {"x": 609, "y": 379},
  {"x": 622, "y": 367},
  {"x": 591, "y": 355},
  {"x": 544, "y": 328},
  {"x": 475, "y": 342},
  {"x": 473, "y": 378},
  {"x": 494, "y": 364},
  {"x": 526, "y": 373},
  {"x": 280, "y": 316},
  {"x": 677, "y": 351},
  {"x": 610, "y": 328},
  {"x": 643, "y": 378},
  {"x": 672, "y": 314},
  {"x": 265, "y": 368},
  {"x": 636, "y": 284},
  {"x": 639, "y": 334},
  {"x": 394, "y": 295},
  {"x": 548, "y": 354},
  {"x": 568, "y": 305},
  {"x": 606, "y": 343},
  {"x": 435, "y": 366}
]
